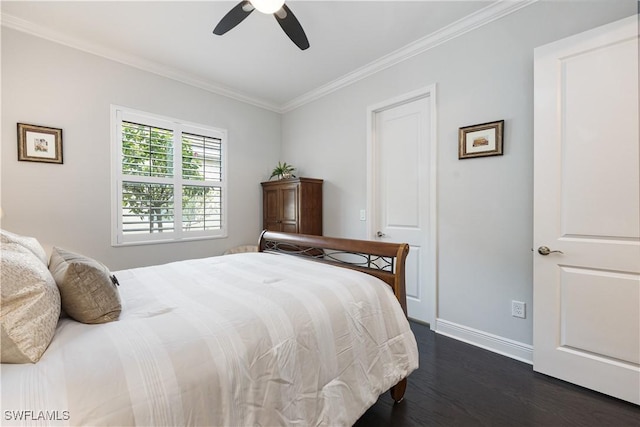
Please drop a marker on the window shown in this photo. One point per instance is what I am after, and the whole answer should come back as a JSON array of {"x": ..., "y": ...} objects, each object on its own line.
[{"x": 169, "y": 179}]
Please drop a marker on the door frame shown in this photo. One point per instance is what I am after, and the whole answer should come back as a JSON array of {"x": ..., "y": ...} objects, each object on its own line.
[{"x": 431, "y": 271}]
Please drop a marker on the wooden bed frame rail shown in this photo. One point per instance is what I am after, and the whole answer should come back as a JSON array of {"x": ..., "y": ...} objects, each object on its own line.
[{"x": 386, "y": 261}]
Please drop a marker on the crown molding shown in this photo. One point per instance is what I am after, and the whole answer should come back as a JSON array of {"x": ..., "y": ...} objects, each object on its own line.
[
  {"x": 24, "y": 26},
  {"x": 475, "y": 20},
  {"x": 470, "y": 22}
]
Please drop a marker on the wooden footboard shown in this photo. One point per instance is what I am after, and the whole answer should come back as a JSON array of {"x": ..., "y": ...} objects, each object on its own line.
[{"x": 386, "y": 261}]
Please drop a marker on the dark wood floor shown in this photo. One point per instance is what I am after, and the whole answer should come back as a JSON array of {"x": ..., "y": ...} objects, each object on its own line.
[{"x": 458, "y": 384}]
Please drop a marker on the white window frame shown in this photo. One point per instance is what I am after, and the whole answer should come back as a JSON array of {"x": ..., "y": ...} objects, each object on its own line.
[{"x": 118, "y": 238}]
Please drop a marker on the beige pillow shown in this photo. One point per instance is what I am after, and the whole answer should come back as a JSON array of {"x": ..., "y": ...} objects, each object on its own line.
[
  {"x": 30, "y": 305},
  {"x": 86, "y": 288},
  {"x": 30, "y": 243}
]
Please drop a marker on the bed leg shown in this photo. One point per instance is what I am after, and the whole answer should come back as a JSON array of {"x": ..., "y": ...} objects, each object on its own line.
[{"x": 397, "y": 391}]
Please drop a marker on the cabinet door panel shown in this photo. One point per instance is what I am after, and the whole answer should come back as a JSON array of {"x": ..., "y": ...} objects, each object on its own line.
[
  {"x": 271, "y": 206},
  {"x": 289, "y": 227},
  {"x": 289, "y": 204}
]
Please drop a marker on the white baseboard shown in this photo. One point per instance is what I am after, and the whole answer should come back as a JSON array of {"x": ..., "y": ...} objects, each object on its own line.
[{"x": 497, "y": 344}]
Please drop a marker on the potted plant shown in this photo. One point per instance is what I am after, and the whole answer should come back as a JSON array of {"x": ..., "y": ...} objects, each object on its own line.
[{"x": 283, "y": 171}]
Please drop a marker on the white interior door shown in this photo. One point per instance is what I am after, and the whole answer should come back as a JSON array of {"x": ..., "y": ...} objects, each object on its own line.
[
  {"x": 403, "y": 206},
  {"x": 587, "y": 205}
]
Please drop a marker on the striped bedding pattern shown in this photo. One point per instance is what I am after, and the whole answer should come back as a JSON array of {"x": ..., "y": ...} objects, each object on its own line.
[{"x": 238, "y": 340}]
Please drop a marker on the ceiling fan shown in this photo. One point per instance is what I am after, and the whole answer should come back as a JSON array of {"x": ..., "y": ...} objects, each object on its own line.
[{"x": 280, "y": 11}]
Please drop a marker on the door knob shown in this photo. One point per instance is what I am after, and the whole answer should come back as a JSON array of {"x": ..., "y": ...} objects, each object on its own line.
[
  {"x": 380, "y": 234},
  {"x": 543, "y": 250}
]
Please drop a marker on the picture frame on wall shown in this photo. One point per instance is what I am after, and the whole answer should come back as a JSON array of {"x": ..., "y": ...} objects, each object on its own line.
[
  {"x": 39, "y": 143},
  {"x": 481, "y": 140}
]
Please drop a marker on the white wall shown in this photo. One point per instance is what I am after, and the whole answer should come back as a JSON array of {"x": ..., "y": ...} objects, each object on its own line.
[
  {"x": 485, "y": 204},
  {"x": 69, "y": 205}
]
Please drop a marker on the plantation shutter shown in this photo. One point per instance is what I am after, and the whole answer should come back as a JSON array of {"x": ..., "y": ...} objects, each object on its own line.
[
  {"x": 201, "y": 204},
  {"x": 170, "y": 179}
]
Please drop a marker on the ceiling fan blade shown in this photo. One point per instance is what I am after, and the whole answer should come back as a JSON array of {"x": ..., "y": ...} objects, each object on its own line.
[
  {"x": 292, "y": 27},
  {"x": 234, "y": 17}
]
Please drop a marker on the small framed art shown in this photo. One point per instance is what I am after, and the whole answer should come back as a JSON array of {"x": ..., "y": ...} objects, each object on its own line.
[
  {"x": 39, "y": 143},
  {"x": 480, "y": 140}
]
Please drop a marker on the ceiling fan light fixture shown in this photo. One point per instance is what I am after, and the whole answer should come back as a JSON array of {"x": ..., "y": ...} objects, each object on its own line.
[{"x": 267, "y": 6}]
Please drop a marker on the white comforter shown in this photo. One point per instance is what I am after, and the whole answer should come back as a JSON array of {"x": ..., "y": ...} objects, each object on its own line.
[{"x": 238, "y": 340}]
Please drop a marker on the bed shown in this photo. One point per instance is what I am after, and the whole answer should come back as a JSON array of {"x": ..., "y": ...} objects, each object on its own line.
[{"x": 294, "y": 334}]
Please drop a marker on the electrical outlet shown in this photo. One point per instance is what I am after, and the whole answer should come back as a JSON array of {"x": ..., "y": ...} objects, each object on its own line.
[{"x": 518, "y": 309}]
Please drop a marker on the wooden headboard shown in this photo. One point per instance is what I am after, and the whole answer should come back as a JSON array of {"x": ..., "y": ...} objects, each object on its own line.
[{"x": 385, "y": 261}]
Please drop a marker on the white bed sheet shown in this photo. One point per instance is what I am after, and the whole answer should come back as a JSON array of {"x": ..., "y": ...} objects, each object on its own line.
[{"x": 238, "y": 340}]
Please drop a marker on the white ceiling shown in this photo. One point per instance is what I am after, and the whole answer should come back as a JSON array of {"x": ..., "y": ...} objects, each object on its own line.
[{"x": 255, "y": 61}]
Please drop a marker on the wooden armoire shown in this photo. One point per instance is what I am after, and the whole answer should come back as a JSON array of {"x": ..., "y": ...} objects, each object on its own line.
[{"x": 292, "y": 205}]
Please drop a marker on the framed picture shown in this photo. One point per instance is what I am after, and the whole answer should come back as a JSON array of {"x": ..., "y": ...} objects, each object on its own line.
[
  {"x": 480, "y": 140},
  {"x": 39, "y": 144}
]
